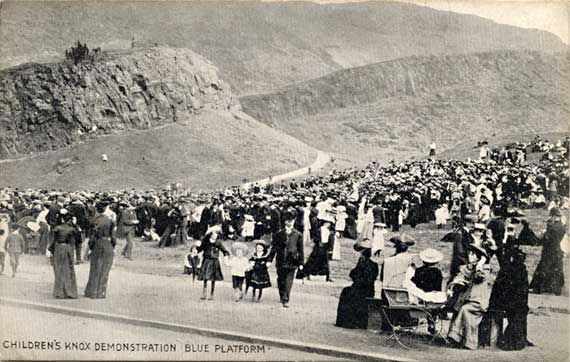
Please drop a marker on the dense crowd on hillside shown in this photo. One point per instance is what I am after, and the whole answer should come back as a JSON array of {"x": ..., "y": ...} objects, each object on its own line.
[{"x": 481, "y": 198}]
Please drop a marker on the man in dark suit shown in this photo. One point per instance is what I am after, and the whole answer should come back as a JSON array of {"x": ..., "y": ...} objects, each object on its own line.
[{"x": 288, "y": 247}]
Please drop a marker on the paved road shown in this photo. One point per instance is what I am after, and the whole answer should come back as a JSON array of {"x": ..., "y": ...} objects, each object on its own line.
[
  {"x": 322, "y": 159},
  {"x": 309, "y": 320},
  {"x": 85, "y": 338}
]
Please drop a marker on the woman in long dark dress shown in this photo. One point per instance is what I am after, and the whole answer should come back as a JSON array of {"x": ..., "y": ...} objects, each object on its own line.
[
  {"x": 102, "y": 245},
  {"x": 510, "y": 293},
  {"x": 549, "y": 274},
  {"x": 211, "y": 269},
  {"x": 318, "y": 261},
  {"x": 65, "y": 236},
  {"x": 352, "y": 311}
]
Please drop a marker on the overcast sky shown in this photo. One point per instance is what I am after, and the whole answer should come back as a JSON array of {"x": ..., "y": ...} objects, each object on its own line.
[{"x": 552, "y": 16}]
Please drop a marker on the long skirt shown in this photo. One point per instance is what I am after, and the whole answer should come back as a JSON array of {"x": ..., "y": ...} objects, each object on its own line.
[
  {"x": 352, "y": 311},
  {"x": 515, "y": 335},
  {"x": 44, "y": 238},
  {"x": 317, "y": 263},
  {"x": 549, "y": 274},
  {"x": 101, "y": 262},
  {"x": 464, "y": 328},
  {"x": 211, "y": 270},
  {"x": 65, "y": 285}
]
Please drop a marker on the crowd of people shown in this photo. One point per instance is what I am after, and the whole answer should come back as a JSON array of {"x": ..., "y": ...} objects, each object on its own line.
[{"x": 483, "y": 200}]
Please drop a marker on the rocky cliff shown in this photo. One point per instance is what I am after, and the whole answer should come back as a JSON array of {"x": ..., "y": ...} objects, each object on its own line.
[
  {"x": 394, "y": 109},
  {"x": 49, "y": 106},
  {"x": 411, "y": 77}
]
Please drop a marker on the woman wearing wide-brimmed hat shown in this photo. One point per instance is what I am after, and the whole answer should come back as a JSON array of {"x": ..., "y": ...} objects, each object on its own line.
[
  {"x": 470, "y": 294},
  {"x": 352, "y": 311},
  {"x": 428, "y": 277},
  {"x": 211, "y": 269}
]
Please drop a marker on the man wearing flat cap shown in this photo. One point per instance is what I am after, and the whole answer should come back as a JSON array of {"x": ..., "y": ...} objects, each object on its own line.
[{"x": 287, "y": 247}]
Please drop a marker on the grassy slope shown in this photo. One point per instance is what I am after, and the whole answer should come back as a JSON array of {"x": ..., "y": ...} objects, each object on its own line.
[
  {"x": 258, "y": 46},
  {"x": 373, "y": 112},
  {"x": 214, "y": 150}
]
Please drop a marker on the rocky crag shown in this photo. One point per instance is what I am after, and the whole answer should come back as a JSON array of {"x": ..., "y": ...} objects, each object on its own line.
[
  {"x": 50, "y": 106},
  {"x": 394, "y": 109}
]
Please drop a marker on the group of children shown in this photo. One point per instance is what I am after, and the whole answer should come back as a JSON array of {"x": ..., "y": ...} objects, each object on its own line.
[{"x": 252, "y": 270}]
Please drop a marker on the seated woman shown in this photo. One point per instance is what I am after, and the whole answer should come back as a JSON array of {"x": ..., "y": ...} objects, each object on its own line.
[
  {"x": 425, "y": 283},
  {"x": 352, "y": 309},
  {"x": 471, "y": 291},
  {"x": 395, "y": 267}
]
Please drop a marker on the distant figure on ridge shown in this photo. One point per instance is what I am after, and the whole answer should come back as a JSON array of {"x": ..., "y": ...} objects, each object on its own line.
[{"x": 432, "y": 149}]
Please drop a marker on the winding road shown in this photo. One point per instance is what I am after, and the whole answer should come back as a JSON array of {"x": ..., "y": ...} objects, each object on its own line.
[{"x": 322, "y": 159}]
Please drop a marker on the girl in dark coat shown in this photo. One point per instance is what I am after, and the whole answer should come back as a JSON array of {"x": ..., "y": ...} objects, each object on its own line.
[
  {"x": 352, "y": 311},
  {"x": 259, "y": 276},
  {"x": 211, "y": 269},
  {"x": 63, "y": 249},
  {"x": 102, "y": 246},
  {"x": 549, "y": 274}
]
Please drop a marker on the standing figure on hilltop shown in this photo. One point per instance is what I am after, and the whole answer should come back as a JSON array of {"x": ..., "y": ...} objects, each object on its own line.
[{"x": 432, "y": 149}]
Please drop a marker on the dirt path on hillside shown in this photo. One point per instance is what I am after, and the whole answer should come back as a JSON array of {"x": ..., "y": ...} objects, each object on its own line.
[{"x": 322, "y": 159}]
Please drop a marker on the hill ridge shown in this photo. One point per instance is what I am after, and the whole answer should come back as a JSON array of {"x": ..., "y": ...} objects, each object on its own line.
[
  {"x": 396, "y": 108},
  {"x": 251, "y": 42}
]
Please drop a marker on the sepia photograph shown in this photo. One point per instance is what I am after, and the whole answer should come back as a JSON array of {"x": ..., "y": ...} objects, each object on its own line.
[{"x": 285, "y": 180}]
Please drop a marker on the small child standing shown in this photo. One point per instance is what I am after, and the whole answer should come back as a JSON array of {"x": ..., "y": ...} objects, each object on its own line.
[
  {"x": 238, "y": 264},
  {"x": 192, "y": 263},
  {"x": 14, "y": 246},
  {"x": 259, "y": 274}
]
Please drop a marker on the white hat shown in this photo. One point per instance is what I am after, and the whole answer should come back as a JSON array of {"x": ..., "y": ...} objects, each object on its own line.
[
  {"x": 431, "y": 256},
  {"x": 32, "y": 226},
  {"x": 479, "y": 226},
  {"x": 214, "y": 229}
]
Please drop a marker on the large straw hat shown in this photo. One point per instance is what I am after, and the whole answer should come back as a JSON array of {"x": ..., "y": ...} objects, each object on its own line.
[
  {"x": 362, "y": 245},
  {"x": 239, "y": 246},
  {"x": 431, "y": 256}
]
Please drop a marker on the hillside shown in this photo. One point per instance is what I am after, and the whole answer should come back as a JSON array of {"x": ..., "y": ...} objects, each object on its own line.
[
  {"x": 394, "y": 109},
  {"x": 49, "y": 106},
  {"x": 215, "y": 149},
  {"x": 258, "y": 46},
  {"x": 161, "y": 115}
]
